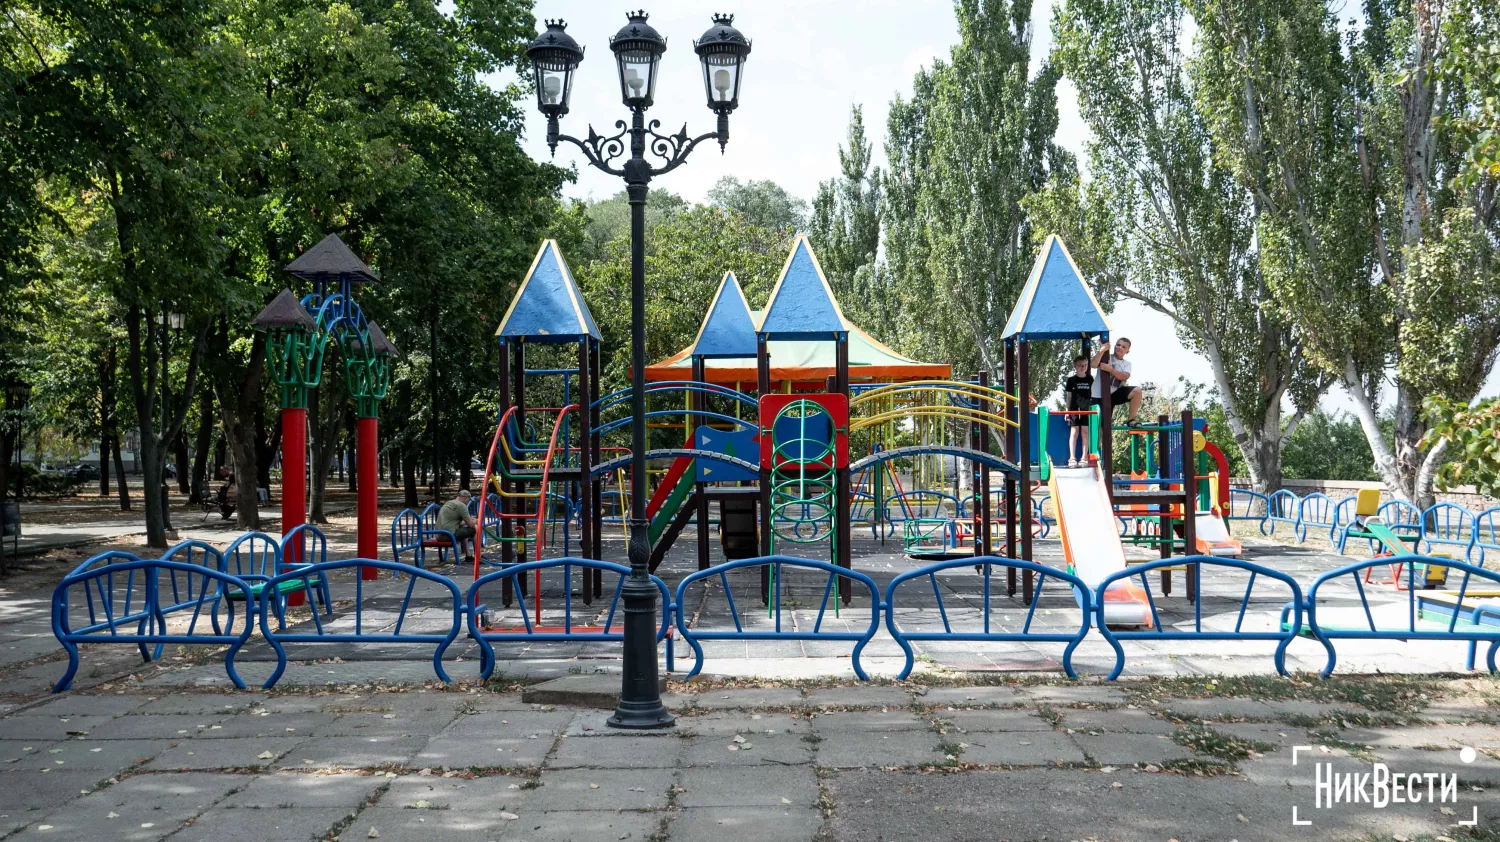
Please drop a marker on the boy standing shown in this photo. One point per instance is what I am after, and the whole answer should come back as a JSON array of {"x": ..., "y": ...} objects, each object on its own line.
[
  {"x": 1079, "y": 389},
  {"x": 1123, "y": 393}
]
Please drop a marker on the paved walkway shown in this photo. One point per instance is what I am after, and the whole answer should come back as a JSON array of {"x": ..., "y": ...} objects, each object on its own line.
[{"x": 1009, "y": 761}]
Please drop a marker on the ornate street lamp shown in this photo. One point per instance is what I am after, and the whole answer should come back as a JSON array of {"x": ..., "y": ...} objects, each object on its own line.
[{"x": 638, "y": 49}]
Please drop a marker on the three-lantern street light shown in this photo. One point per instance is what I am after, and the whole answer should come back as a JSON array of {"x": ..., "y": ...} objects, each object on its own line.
[{"x": 638, "y": 49}]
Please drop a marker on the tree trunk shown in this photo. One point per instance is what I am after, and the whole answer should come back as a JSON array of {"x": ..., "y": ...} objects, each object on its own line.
[
  {"x": 327, "y": 412},
  {"x": 148, "y": 370},
  {"x": 107, "y": 369},
  {"x": 180, "y": 453},
  {"x": 239, "y": 409},
  {"x": 265, "y": 453},
  {"x": 1385, "y": 461},
  {"x": 409, "y": 479},
  {"x": 120, "y": 487},
  {"x": 201, "y": 444}
]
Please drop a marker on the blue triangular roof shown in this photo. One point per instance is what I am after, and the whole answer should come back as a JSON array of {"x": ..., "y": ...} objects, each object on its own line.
[
  {"x": 1056, "y": 303},
  {"x": 728, "y": 330},
  {"x": 802, "y": 305},
  {"x": 548, "y": 306}
]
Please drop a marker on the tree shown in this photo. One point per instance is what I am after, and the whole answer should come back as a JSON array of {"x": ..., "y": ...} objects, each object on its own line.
[
  {"x": 1342, "y": 143},
  {"x": 762, "y": 203},
  {"x": 975, "y": 138},
  {"x": 845, "y": 229},
  {"x": 1164, "y": 224},
  {"x": 1328, "y": 446},
  {"x": 609, "y": 219}
]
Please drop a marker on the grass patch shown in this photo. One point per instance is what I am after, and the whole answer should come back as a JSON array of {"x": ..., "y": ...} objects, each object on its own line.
[
  {"x": 1199, "y": 767},
  {"x": 1215, "y": 743},
  {"x": 1388, "y": 693}
]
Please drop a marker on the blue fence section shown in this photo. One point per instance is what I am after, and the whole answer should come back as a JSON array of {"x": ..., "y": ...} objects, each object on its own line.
[
  {"x": 1282, "y": 507},
  {"x": 1197, "y": 631},
  {"x": 126, "y": 603},
  {"x": 1422, "y": 619},
  {"x": 531, "y": 628},
  {"x": 1245, "y": 504},
  {"x": 775, "y": 568},
  {"x": 988, "y": 626},
  {"x": 384, "y": 629}
]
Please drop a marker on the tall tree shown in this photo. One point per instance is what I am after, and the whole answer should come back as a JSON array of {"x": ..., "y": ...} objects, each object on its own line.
[
  {"x": 845, "y": 228},
  {"x": 763, "y": 203},
  {"x": 1165, "y": 224},
  {"x": 976, "y": 137}
]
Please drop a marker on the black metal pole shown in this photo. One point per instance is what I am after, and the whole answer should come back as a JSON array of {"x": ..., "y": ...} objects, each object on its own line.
[{"x": 640, "y": 695}]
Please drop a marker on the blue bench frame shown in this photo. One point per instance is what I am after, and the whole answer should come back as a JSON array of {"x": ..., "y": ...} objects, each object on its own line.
[
  {"x": 1080, "y": 593},
  {"x": 307, "y": 574},
  {"x": 476, "y": 609},
  {"x": 1278, "y": 506},
  {"x": 1486, "y": 535},
  {"x": 1320, "y": 510},
  {"x": 149, "y": 616},
  {"x": 1285, "y": 635},
  {"x": 777, "y": 563}
]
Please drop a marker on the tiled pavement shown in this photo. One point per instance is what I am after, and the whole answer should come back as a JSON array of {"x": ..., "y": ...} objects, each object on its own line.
[{"x": 832, "y": 763}]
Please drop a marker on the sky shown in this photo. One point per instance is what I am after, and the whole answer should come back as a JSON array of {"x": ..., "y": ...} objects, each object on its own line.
[{"x": 811, "y": 62}]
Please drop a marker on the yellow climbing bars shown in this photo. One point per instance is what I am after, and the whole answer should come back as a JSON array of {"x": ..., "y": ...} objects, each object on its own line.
[{"x": 930, "y": 399}]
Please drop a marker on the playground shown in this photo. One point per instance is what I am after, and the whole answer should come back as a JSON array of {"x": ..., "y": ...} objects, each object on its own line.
[{"x": 869, "y": 569}]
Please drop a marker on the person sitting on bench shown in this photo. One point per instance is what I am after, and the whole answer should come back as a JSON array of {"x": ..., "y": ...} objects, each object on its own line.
[{"x": 454, "y": 517}]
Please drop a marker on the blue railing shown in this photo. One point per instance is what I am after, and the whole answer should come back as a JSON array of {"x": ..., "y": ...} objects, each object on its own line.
[
  {"x": 990, "y": 627},
  {"x": 1196, "y": 630},
  {"x": 1245, "y": 504},
  {"x": 775, "y": 568},
  {"x": 531, "y": 628}
]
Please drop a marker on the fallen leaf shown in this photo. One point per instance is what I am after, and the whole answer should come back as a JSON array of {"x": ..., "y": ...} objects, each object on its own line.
[
  {"x": 1242, "y": 818},
  {"x": 1447, "y": 811},
  {"x": 1117, "y": 785},
  {"x": 266, "y": 755},
  {"x": 510, "y": 817},
  {"x": 112, "y": 815},
  {"x": 422, "y": 804},
  {"x": 786, "y": 800},
  {"x": 373, "y": 834},
  {"x": 593, "y": 786}
]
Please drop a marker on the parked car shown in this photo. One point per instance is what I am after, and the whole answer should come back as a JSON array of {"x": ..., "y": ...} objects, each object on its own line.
[{"x": 82, "y": 471}]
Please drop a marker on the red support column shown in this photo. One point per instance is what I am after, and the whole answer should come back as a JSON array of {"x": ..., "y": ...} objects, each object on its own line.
[
  {"x": 293, "y": 485},
  {"x": 368, "y": 448}
]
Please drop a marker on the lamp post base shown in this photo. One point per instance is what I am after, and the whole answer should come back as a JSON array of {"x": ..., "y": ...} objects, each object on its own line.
[{"x": 640, "y": 705}]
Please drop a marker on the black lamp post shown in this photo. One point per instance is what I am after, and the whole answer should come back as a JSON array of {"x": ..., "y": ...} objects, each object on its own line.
[{"x": 638, "y": 49}]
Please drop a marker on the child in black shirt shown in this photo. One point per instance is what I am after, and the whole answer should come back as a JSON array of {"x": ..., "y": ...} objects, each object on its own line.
[{"x": 1078, "y": 388}]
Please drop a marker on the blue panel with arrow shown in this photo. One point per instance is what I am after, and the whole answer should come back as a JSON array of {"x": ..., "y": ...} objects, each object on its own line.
[{"x": 740, "y": 444}]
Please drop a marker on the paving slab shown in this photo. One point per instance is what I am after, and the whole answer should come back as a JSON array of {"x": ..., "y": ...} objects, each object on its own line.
[
  {"x": 1020, "y": 749},
  {"x": 200, "y": 704},
  {"x": 242, "y": 753},
  {"x": 1125, "y": 749},
  {"x": 74, "y": 704},
  {"x": 414, "y": 700},
  {"x": 31, "y": 795},
  {"x": 1218, "y": 710},
  {"x": 307, "y": 724},
  {"x": 850, "y": 749},
  {"x": 770, "y": 786},
  {"x": 144, "y": 807},
  {"x": 727, "y": 724},
  {"x": 288, "y": 789},
  {"x": 170, "y": 727},
  {"x": 273, "y": 823},
  {"x": 1001, "y": 695},
  {"x": 662, "y": 751},
  {"x": 407, "y": 723},
  {"x": 981, "y": 721},
  {"x": 351, "y": 752},
  {"x": 602, "y": 789},
  {"x": 95, "y": 755},
  {"x": 50, "y": 728},
  {"x": 730, "y": 698},
  {"x": 872, "y": 721},
  {"x": 427, "y": 825},
  {"x": 858, "y": 697},
  {"x": 788, "y": 824},
  {"x": 594, "y": 723},
  {"x": 491, "y": 793},
  {"x": 1066, "y": 695},
  {"x": 1284, "y": 709},
  {"x": 1119, "y": 720}
]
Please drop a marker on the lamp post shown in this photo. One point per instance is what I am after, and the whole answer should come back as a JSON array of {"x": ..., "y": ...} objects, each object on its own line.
[{"x": 638, "y": 49}]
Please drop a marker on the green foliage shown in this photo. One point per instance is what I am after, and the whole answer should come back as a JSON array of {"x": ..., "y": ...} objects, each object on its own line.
[
  {"x": 762, "y": 203},
  {"x": 1471, "y": 436},
  {"x": 974, "y": 138},
  {"x": 1328, "y": 446},
  {"x": 845, "y": 230},
  {"x": 609, "y": 220},
  {"x": 1471, "y": 64}
]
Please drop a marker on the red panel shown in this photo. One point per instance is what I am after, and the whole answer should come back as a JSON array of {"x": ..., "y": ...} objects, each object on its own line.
[
  {"x": 367, "y": 447},
  {"x": 293, "y": 485},
  {"x": 837, "y": 407}
]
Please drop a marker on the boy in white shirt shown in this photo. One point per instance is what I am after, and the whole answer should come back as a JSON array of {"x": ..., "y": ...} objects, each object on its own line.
[{"x": 1119, "y": 368}]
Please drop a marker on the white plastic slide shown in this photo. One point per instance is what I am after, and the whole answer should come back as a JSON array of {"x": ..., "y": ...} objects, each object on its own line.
[
  {"x": 1091, "y": 543},
  {"x": 1214, "y": 538}
]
